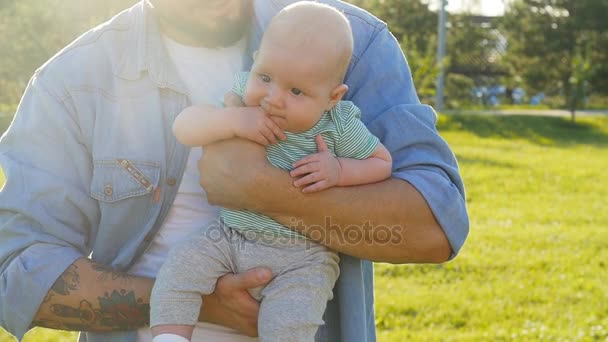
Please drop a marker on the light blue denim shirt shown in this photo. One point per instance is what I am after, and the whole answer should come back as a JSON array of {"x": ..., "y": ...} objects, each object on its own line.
[{"x": 110, "y": 98}]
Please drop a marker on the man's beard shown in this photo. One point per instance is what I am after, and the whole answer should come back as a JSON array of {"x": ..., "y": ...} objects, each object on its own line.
[{"x": 224, "y": 32}]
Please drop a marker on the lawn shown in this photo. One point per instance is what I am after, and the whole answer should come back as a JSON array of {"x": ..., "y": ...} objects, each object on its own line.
[{"x": 535, "y": 264}]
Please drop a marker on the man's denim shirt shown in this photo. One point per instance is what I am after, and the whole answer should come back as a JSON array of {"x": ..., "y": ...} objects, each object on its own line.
[{"x": 108, "y": 101}]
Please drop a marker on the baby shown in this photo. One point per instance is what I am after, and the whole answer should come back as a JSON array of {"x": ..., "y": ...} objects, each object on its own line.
[{"x": 293, "y": 107}]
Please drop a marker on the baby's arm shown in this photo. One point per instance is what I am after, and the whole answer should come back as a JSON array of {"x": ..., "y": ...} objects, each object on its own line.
[
  {"x": 205, "y": 124},
  {"x": 322, "y": 170},
  {"x": 375, "y": 168}
]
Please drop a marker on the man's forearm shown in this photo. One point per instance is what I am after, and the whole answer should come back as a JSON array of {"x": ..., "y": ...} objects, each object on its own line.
[
  {"x": 387, "y": 221},
  {"x": 92, "y": 297}
]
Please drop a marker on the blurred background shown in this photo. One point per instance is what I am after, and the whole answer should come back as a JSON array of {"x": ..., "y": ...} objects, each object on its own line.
[{"x": 522, "y": 88}]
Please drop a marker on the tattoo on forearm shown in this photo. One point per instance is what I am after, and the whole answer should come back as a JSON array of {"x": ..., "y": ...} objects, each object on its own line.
[
  {"x": 69, "y": 281},
  {"x": 48, "y": 297},
  {"x": 106, "y": 273},
  {"x": 118, "y": 311},
  {"x": 121, "y": 309}
]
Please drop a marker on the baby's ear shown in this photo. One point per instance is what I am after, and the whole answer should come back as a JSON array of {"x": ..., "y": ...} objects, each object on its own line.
[{"x": 336, "y": 95}]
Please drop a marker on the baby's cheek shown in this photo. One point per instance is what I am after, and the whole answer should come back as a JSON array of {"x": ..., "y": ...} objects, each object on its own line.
[{"x": 250, "y": 98}]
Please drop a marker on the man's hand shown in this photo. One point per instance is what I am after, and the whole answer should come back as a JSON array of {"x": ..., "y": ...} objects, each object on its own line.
[
  {"x": 231, "y": 305},
  {"x": 230, "y": 172},
  {"x": 317, "y": 171}
]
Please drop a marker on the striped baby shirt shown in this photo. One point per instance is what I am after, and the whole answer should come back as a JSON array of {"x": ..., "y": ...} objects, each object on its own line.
[{"x": 345, "y": 135}]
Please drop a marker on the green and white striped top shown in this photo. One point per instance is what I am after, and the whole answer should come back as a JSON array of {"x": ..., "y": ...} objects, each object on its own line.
[{"x": 345, "y": 135}]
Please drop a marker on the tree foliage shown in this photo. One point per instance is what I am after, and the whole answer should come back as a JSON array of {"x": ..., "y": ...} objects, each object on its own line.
[
  {"x": 553, "y": 44},
  {"x": 471, "y": 46},
  {"x": 34, "y": 30},
  {"x": 559, "y": 47}
]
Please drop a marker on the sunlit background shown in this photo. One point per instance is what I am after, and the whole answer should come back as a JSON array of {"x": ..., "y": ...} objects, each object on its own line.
[{"x": 526, "y": 113}]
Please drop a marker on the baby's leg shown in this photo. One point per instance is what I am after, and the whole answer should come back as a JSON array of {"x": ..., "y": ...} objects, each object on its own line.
[
  {"x": 191, "y": 270},
  {"x": 294, "y": 302}
]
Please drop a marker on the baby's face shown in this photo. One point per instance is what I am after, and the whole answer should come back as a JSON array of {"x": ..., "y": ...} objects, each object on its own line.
[{"x": 292, "y": 84}]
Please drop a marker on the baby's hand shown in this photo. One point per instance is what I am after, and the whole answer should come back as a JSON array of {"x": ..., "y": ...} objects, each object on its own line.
[
  {"x": 317, "y": 171},
  {"x": 254, "y": 124},
  {"x": 233, "y": 100}
]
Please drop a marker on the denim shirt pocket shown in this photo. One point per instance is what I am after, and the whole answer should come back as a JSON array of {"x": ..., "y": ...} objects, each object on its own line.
[{"x": 117, "y": 179}]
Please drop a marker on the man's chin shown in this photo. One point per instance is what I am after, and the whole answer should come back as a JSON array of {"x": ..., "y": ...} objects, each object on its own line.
[
  {"x": 223, "y": 37},
  {"x": 223, "y": 32}
]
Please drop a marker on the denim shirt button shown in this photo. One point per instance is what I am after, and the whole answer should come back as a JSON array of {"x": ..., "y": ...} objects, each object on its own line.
[
  {"x": 108, "y": 190},
  {"x": 171, "y": 181}
]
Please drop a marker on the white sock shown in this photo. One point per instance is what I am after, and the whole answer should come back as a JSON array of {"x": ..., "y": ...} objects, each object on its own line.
[{"x": 169, "y": 338}]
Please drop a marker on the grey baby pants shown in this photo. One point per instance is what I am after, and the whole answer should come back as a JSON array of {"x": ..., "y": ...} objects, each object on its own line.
[{"x": 292, "y": 304}]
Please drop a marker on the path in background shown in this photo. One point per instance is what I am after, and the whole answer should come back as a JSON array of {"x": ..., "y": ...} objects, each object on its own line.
[{"x": 533, "y": 112}]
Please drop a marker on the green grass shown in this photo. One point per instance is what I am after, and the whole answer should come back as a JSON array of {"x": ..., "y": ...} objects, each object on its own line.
[{"x": 535, "y": 266}]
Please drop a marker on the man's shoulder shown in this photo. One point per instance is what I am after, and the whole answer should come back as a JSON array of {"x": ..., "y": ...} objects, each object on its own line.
[
  {"x": 96, "y": 49},
  {"x": 356, "y": 15}
]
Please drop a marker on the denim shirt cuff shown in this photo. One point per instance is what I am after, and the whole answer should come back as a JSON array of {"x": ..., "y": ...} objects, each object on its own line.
[
  {"x": 32, "y": 275},
  {"x": 445, "y": 201}
]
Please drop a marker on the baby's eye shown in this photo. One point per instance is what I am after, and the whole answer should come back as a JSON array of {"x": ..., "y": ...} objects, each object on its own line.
[
  {"x": 265, "y": 78},
  {"x": 296, "y": 91}
]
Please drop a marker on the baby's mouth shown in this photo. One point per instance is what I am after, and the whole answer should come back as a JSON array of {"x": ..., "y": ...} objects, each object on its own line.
[{"x": 280, "y": 121}]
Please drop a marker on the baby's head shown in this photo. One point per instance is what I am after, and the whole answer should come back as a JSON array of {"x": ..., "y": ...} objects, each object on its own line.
[{"x": 299, "y": 70}]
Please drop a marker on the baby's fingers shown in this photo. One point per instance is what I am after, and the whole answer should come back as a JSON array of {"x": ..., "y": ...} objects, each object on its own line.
[
  {"x": 269, "y": 135},
  {"x": 259, "y": 138},
  {"x": 275, "y": 129},
  {"x": 305, "y": 169},
  {"x": 308, "y": 179},
  {"x": 306, "y": 160},
  {"x": 318, "y": 186}
]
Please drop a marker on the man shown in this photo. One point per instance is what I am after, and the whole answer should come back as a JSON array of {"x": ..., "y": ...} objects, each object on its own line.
[{"x": 98, "y": 189}]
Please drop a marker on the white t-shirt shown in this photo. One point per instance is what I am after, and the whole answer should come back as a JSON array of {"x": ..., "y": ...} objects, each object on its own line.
[{"x": 208, "y": 75}]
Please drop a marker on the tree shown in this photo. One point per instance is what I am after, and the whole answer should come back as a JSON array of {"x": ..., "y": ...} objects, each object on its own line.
[
  {"x": 544, "y": 39},
  {"x": 34, "y": 30},
  {"x": 471, "y": 46}
]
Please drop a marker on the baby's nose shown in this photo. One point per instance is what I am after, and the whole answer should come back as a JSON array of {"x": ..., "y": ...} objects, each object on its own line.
[{"x": 275, "y": 97}]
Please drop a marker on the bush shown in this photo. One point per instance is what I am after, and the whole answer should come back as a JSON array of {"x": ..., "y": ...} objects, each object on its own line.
[{"x": 458, "y": 90}]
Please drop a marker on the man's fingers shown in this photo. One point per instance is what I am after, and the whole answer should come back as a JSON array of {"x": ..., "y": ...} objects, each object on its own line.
[
  {"x": 249, "y": 279},
  {"x": 321, "y": 145}
]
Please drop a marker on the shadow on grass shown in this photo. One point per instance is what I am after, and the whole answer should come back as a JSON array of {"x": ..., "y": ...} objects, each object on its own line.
[
  {"x": 484, "y": 162},
  {"x": 541, "y": 130}
]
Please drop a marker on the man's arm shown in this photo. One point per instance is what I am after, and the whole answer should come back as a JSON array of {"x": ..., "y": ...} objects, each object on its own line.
[
  {"x": 92, "y": 297},
  {"x": 46, "y": 218},
  {"x": 387, "y": 221},
  {"x": 422, "y": 206}
]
